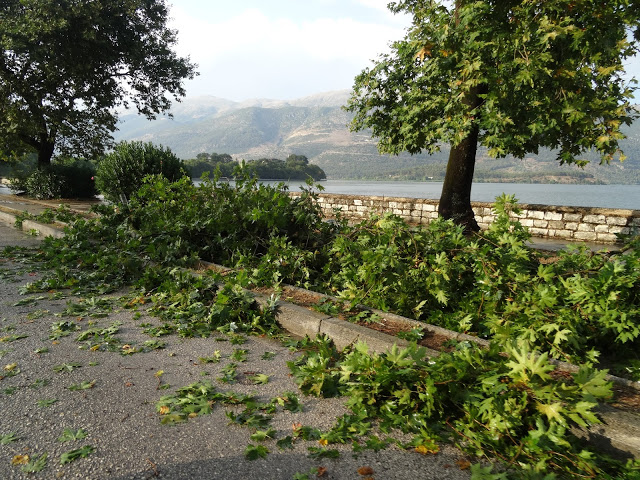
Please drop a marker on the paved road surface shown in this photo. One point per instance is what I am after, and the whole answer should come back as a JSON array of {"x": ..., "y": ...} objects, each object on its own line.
[{"x": 119, "y": 413}]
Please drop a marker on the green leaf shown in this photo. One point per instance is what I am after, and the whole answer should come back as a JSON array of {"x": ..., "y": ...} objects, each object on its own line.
[
  {"x": 253, "y": 452},
  {"x": 285, "y": 443},
  {"x": 35, "y": 465},
  {"x": 8, "y": 438},
  {"x": 260, "y": 379},
  {"x": 73, "y": 455},
  {"x": 318, "y": 452},
  {"x": 262, "y": 435},
  {"x": 46, "y": 402},
  {"x": 66, "y": 367},
  {"x": 86, "y": 385},
  {"x": 552, "y": 411},
  {"x": 69, "y": 435}
]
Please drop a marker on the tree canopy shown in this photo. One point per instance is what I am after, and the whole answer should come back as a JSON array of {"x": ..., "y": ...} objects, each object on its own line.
[
  {"x": 513, "y": 76},
  {"x": 295, "y": 167},
  {"x": 67, "y": 65}
]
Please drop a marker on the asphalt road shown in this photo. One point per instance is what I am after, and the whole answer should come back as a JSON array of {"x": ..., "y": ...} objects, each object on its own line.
[{"x": 118, "y": 414}]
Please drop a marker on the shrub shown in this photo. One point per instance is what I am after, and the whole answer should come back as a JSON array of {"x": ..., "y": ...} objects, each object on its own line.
[
  {"x": 79, "y": 177},
  {"x": 120, "y": 173},
  {"x": 65, "y": 178}
]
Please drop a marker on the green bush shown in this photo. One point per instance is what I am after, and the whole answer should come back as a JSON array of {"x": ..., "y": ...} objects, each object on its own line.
[
  {"x": 65, "y": 178},
  {"x": 120, "y": 173}
]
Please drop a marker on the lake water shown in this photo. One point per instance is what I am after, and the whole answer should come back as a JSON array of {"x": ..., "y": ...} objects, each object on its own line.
[{"x": 609, "y": 196}]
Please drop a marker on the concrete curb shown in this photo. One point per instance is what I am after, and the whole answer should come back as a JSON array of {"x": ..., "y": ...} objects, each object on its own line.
[
  {"x": 619, "y": 434},
  {"x": 42, "y": 229}
]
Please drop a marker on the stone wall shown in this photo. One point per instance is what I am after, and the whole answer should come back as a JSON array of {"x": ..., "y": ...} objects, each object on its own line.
[{"x": 565, "y": 223}]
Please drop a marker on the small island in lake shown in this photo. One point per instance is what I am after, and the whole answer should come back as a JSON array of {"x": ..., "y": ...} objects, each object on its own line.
[{"x": 295, "y": 167}]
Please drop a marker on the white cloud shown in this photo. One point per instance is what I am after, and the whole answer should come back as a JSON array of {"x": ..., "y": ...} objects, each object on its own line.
[
  {"x": 376, "y": 4},
  {"x": 253, "y": 32},
  {"x": 252, "y": 43}
]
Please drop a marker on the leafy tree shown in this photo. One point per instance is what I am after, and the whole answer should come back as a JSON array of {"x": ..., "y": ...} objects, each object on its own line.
[
  {"x": 513, "y": 76},
  {"x": 67, "y": 64}
]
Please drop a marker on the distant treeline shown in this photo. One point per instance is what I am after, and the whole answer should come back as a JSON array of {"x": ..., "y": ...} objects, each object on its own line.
[{"x": 295, "y": 167}]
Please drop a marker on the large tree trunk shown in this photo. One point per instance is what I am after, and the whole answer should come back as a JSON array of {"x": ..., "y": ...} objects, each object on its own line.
[
  {"x": 455, "y": 201},
  {"x": 45, "y": 152}
]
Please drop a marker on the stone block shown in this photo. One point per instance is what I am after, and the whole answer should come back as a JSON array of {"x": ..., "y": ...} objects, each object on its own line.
[
  {"x": 621, "y": 221},
  {"x": 602, "y": 229},
  {"x": 536, "y": 215},
  {"x": 572, "y": 217},
  {"x": 552, "y": 216},
  {"x": 586, "y": 227},
  {"x": 43, "y": 230},
  {"x": 344, "y": 334},
  {"x": 540, "y": 223},
  {"x": 617, "y": 229},
  {"x": 586, "y": 236},
  {"x": 599, "y": 219},
  {"x": 556, "y": 224},
  {"x": 606, "y": 237},
  {"x": 357, "y": 202},
  {"x": 571, "y": 226},
  {"x": 539, "y": 232},
  {"x": 563, "y": 234},
  {"x": 526, "y": 222}
]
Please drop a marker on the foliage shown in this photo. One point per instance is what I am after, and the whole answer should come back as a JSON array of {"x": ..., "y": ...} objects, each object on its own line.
[
  {"x": 36, "y": 464},
  {"x": 121, "y": 172},
  {"x": 73, "y": 455},
  {"x": 241, "y": 221},
  {"x": 489, "y": 284},
  {"x": 536, "y": 61},
  {"x": 69, "y": 435},
  {"x": 501, "y": 403},
  {"x": 51, "y": 101},
  {"x": 197, "y": 306},
  {"x": 513, "y": 77},
  {"x": 492, "y": 284},
  {"x": 68, "y": 178},
  {"x": 295, "y": 167}
]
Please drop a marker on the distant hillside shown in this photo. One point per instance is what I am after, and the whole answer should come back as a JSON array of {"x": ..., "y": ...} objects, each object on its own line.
[{"x": 316, "y": 127}]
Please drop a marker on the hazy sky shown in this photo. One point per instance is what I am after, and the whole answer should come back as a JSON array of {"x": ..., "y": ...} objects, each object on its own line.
[
  {"x": 285, "y": 49},
  {"x": 281, "y": 49}
]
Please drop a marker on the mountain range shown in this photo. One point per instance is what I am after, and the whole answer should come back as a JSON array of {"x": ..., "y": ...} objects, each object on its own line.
[{"x": 317, "y": 127}]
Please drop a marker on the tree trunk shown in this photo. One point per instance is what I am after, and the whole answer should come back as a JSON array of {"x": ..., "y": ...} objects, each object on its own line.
[
  {"x": 45, "y": 152},
  {"x": 455, "y": 201}
]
